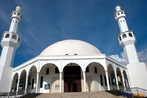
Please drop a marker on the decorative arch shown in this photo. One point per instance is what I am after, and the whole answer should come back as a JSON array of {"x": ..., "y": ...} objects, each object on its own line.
[
  {"x": 47, "y": 77},
  {"x": 111, "y": 76},
  {"x": 72, "y": 64},
  {"x": 78, "y": 63},
  {"x": 95, "y": 78},
  {"x": 126, "y": 80},
  {"x": 72, "y": 77},
  {"x": 119, "y": 78},
  {"x": 22, "y": 81},
  {"x": 31, "y": 85},
  {"x": 46, "y": 64},
  {"x": 100, "y": 63},
  {"x": 14, "y": 82}
]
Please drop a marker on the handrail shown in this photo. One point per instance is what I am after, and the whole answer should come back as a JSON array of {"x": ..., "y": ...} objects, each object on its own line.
[
  {"x": 18, "y": 94},
  {"x": 139, "y": 90}
]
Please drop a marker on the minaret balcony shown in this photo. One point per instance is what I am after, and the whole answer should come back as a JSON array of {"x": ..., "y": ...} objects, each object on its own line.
[
  {"x": 16, "y": 14},
  {"x": 126, "y": 38},
  {"x": 10, "y": 39},
  {"x": 120, "y": 14}
]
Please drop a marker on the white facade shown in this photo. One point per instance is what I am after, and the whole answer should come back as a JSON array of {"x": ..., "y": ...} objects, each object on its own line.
[
  {"x": 90, "y": 81},
  {"x": 71, "y": 65}
]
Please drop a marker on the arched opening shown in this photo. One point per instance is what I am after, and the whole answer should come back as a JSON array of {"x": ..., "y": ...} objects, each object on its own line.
[
  {"x": 72, "y": 78},
  {"x": 31, "y": 86},
  {"x": 126, "y": 81},
  {"x": 14, "y": 36},
  {"x": 14, "y": 83},
  {"x": 22, "y": 82},
  {"x": 7, "y": 35},
  {"x": 95, "y": 78},
  {"x": 48, "y": 78},
  {"x": 119, "y": 78},
  {"x": 130, "y": 34},
  {"x": 124, "y": 35},
  {"x": 111, "y": 76}
]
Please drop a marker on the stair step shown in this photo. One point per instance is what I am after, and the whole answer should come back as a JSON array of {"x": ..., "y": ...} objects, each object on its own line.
[{"x": 97, "y": 94}]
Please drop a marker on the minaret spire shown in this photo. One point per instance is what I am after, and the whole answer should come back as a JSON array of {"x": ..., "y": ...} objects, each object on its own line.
[
  {"x": 16, "y": 18},
  {"x": 126, "y": 37},
  {"x": 127, "y": 40},
  {"x": 10, "y": 42}
]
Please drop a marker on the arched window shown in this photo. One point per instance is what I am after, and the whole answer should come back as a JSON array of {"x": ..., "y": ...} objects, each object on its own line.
[
  {"x": 120, "y": 38},
  {"x": 47, "y": 71},
  {"x": 56, "y": 70},
  {"x": 101, "y": 78},
  {"x": 7, "y": 35},
  {"x": 41, "y": 81},
  {"x": 18, "y": 38},
  {"x": 130, "y": 34},
  {"x": 95, "y": 69},
  {"x": 87, "y": 69},
  {"x": 105, "y": 80},
  {"x": 124, "y": 36},
  {"x": 14, "y": 36}
]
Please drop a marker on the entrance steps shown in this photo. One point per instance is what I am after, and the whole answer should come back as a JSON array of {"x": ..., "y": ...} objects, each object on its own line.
[{"x": 97, "y": 94}]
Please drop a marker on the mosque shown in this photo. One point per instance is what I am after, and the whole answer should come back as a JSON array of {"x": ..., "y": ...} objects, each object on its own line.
[{"x": 71, "y": 65}]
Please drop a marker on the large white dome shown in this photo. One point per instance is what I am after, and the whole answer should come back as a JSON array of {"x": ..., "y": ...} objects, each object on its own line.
[{"x": 71, "y": 47}]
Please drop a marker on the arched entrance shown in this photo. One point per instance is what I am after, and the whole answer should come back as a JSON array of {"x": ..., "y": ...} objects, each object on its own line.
[
  {"x": 126, "y": 81},
  {"x": 112, "y": 80},
  {"x": 95, "y": 77},
  {"x": 22, "y": 81},
  {"x": 32, "y": 80},
  {"x": 72, "y": 78},
  {"x": 119, "y": 78},
  {"x": 14, "y": 83}
]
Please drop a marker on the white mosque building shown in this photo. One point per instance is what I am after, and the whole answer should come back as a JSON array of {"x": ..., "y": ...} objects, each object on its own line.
[{"x": 71, "y": 65}]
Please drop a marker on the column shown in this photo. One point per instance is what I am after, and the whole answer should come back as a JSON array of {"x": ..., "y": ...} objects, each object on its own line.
[
  {"x": 116, "y": 81},
  {"x": 84, "y": 78},
  {"x": 108, "y": 85},
  {"x": 37, "y": 80},
  {"x": 123, "y": 81},
  {"x": 26, "y": 84},
  {"x": 60, "y": 82},
  {"x": 17, "y": 86}
]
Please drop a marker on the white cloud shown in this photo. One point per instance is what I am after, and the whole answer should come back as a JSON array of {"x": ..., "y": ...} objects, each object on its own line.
[
  {"x": 119, "y": 58},
  {"x": 142, "y": 55}
]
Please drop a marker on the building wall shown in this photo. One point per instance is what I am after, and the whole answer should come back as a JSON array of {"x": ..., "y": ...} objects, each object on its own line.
[{"x": 93, "y": 82}]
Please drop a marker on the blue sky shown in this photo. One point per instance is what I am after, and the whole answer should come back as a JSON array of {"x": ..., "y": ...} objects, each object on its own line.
[{"x": 45, "y": 22}]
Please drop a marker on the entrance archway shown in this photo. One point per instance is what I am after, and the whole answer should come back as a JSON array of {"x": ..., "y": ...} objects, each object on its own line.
[{"x": 72, "y": 78}]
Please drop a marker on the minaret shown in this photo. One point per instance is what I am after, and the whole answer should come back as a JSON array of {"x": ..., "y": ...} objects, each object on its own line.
[
  {"x": 126, "y": 37},
  {"x": 10, "y": 42},
  {"x": 137, "y": 71}
]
